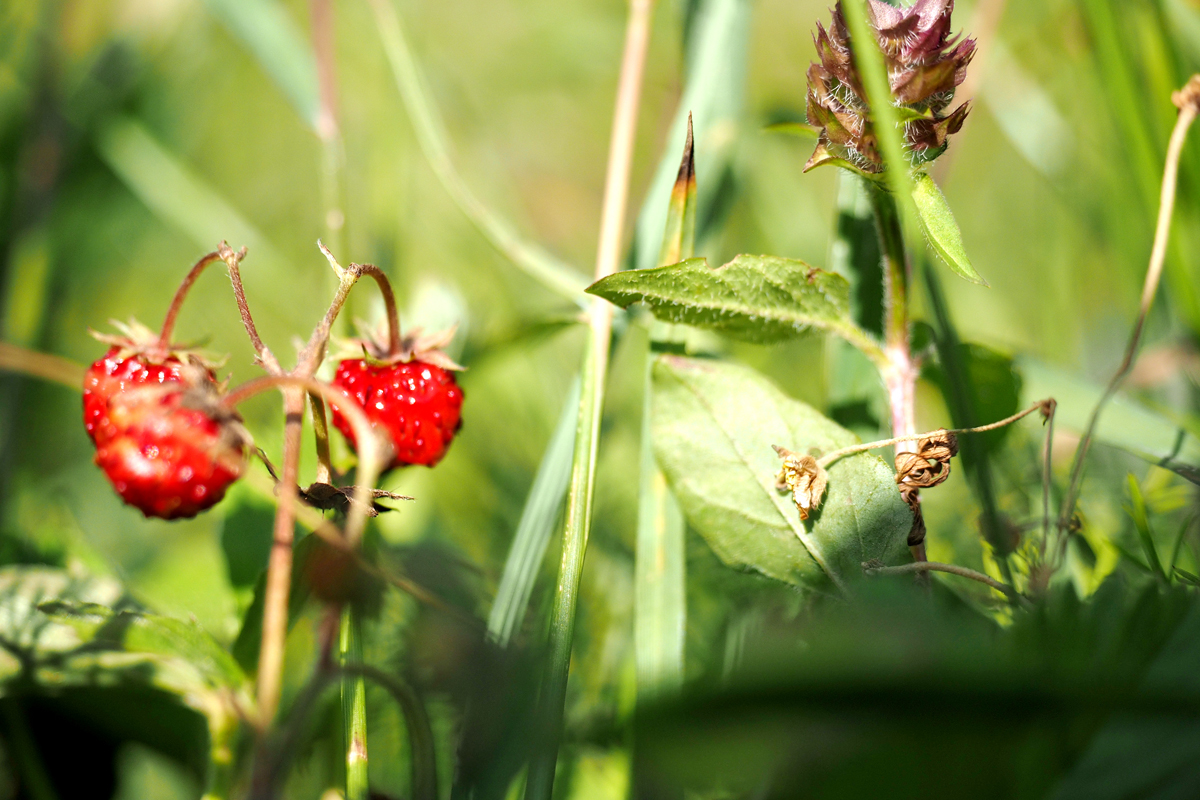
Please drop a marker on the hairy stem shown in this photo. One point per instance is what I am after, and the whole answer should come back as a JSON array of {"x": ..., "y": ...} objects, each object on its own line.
[
  {"x": 540, "y": 782},
  {"x": 233, "y": 260},
  {"x": 1158, "y": 253}
]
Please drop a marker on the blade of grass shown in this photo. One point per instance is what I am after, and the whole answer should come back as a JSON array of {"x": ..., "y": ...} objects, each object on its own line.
[
  {"x": 1183, "y": 529},
  {"x": 354, "y": 707},
  {"x": 536, "y": 526},
  {"x": 540, "y": 265},
  {"x": 1141, "y": 522},
  {"x": 540, "y": 782},
  {"x": 717, "y": 38},
  {"x": 660, "y": 601}
]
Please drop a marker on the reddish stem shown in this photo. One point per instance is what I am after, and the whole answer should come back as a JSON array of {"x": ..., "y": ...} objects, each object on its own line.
[{"x": 168, "y": 326}]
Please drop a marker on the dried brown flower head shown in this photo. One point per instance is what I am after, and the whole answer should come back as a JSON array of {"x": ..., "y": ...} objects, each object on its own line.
[{"x": 804, "y": 477}]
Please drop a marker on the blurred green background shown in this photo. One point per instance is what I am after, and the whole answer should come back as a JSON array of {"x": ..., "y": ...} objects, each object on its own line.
[{"x": 137, "y": 134}]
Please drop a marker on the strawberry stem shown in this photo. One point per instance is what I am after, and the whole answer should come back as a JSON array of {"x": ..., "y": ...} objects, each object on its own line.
[{"x": 168, "y": 326}]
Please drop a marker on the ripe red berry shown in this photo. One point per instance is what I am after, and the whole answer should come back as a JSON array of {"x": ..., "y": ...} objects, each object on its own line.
[
  {"x": 163, "y": 439},
  {"x": 117, "y": 371},
  {"x": 418, "y": 403}
]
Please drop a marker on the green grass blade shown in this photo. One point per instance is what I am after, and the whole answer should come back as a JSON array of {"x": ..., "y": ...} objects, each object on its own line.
[
  {"x": 267, "y": 31},
  {"x": 540, "y": 265},
  {"x": 679, "y": 237},
  {"x": 536, "y": 526},
  {"x": 659, "y": 573},
  {"x": 1141, "y": 522},
  {"x": 354, "y": 708},
  {"x": 713, "y": 97},
  {"x": 1183, "y": 529},
  {"x": 540, "y": 782}
]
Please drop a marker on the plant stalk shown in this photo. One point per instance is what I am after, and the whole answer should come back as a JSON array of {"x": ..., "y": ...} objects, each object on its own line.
[
  {"x": 354, "y": 706},
  {"x": 540, "y": 782},
  {"x": 1187, "y": 100},
  {"x": 900, "y": 376}
]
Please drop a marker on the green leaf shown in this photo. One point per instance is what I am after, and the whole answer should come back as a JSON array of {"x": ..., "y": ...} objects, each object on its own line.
[
  {"x": 940, "y": 228},
  {"x": 1141, "y": 521},
  {"x": 1126, "y": 423},
  {"x": 800, "y": 130},
  {"x": 753, "y": 298},
  {"x": 714, "y": 425}
]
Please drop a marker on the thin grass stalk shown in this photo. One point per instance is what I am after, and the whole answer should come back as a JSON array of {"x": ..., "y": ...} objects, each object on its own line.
[
  {"x": 540, "y": 782},
  {"x": 540, "y": 265},
  {"x": 1162, "y": 232}
]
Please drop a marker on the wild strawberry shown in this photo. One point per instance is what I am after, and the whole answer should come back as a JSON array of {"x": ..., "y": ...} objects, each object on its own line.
[
  {"x": 412, "y": 394},
  {"x": 163, "y": 438}
]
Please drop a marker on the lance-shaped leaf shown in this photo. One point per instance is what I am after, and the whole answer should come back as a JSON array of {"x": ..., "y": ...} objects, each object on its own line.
[
  {"x": 940, "y": 227},
  {"x": 679, "y": 236},
  {"x": 714, "y": 424},
  {"x": 753, "y": 298}
]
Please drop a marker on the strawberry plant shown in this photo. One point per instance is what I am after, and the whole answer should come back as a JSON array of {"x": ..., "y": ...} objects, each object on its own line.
[{"x": 757, "y": 506}]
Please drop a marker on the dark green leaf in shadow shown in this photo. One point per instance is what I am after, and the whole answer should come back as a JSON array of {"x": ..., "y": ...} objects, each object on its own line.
[{"x": 714, "y": 425}]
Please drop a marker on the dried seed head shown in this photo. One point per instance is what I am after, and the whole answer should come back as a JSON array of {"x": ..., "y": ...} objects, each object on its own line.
[
  {"x": 804, "y": 477},
  {"x": 1189, "y": 95},
  {"x": 924, "y": 63},
  {"x": 930, "y": 464}
]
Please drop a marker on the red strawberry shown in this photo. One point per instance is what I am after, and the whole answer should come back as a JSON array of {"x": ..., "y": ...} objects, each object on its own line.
[
  {"x": 162, "y": 436},
  {"x": 413, "y": 395}
]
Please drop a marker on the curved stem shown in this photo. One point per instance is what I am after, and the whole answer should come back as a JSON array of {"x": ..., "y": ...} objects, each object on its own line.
[
  {"x": 829, "y": 458},
  {"x": 168, "y": 326},
  {"x": 1158, "y": 255},
  {"x": 416, "y": 719},
  {"x": 918, "y": 567},
  {"x": 233, "y": 260},
  {"x": 279, "y": 565},
  {"x": 427, "y": 125},
  {"x": 314, "y": 352},
  {"x": 371, "y": 456}
]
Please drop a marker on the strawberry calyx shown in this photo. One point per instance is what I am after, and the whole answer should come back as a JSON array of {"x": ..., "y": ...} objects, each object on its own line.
[
  {"x": 135, "y": 339},
  {"x": 416, "y": 345}
]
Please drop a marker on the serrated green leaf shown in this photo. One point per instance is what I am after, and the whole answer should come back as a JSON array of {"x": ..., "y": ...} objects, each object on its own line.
[
  {"x": 941, "y": 229},
  {"x": 714, "y": 424},
  {"x": 753, "y": 298}
]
